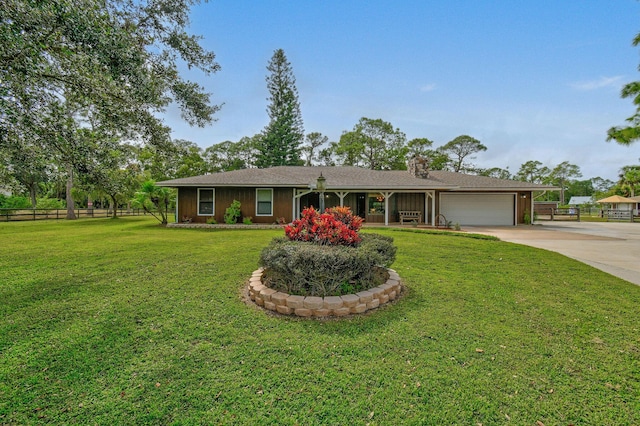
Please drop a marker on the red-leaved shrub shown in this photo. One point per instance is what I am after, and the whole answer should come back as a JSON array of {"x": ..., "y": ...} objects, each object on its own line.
[{"x": 336, "y": 226}]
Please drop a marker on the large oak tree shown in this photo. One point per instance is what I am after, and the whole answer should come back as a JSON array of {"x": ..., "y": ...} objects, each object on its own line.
[{"x": 68, "y": 65}]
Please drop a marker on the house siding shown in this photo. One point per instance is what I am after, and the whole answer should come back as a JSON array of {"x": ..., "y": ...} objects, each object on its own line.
[
  {"x": 187, "y": 204},
  {"x": 523, "y": 206},
  {"x": 408, "y": 201},
  {"x": 282, "y": 207}
]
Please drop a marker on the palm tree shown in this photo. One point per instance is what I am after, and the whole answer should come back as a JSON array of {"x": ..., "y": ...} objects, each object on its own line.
[
  {"x": 629, "y": 180},
  {"x": 155, "y": 200}
]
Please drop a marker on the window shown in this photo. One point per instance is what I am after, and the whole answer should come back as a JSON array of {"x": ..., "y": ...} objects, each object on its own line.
[
  {"x": 376, "y": 204},
  {"x": 206, "y": 198},
  {"x": 264, "y": 202}
]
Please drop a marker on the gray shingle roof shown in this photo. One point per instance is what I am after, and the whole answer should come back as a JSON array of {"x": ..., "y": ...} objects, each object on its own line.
[{"x": 352, "y": 178}]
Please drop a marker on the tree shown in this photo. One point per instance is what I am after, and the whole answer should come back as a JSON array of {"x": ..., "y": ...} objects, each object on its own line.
[
  {"x": 313, "y": 141},
  {"x": 154, "y": 200},
  {"x": 115, "y": 176},
  {"x": 117, "y": 58},
  {"x": 325, "y": 157},
  {"x": 580, "y": 188},
  {"x": 246, "y": 150},
  {"x": 281, "y": 139},
  {"x": 629, "y": 181},
  {"x": 438, "y": 159},
  {"x": 625, "y": 135},
  {"x": 419, "y": 147},
  {"x": 532, "y": 171},
  {"x": 109, "y": 66},
  {"x": 24, "y": 164},
  {"x": 461, "y": 148},
  {"x": 495, "y": 172},
  {"x": 227, "y": 156},
  {"x": 189, "y": 160},
  {"x": 562, "y": 175},
  {"x": 176, "y": 159},
  {"x": 601, "y": 185},
  {"x": 373, "y": 144},
  {"x": 349, "y": 149}
]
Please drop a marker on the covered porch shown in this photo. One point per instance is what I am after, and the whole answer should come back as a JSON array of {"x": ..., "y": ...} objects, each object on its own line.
[{"x": 376, "y": 207}]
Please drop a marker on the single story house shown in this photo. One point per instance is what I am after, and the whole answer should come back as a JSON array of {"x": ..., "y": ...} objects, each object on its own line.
[
  {"x": 618, "y": 203},
  {"x": 279, "y": 194}
]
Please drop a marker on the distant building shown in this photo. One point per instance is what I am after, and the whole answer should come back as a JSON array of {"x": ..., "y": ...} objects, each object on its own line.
[{"x": 578, "y": 201}]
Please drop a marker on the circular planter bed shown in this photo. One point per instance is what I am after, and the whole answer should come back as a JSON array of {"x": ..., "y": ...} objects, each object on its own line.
[{"x": 328, "y": 306}]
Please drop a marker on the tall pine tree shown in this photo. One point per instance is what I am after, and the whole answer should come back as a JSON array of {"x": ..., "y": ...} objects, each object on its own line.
[{"x": 282, "y": 137}]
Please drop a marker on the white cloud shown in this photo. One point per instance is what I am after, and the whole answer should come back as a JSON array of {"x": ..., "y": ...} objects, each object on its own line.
[
  {"x": 428, "y": 87},
  {"x": 598, "y": 84}
]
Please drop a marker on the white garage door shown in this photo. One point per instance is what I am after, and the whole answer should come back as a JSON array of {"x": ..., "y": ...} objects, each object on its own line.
[{"x": 478, "y": 209}]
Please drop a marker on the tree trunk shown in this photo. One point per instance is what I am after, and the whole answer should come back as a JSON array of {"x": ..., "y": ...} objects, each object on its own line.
[
  {"x": 71, "y": 214},
  {"x": 114, "y": 206},
  {"x": 33, "y": 188}
]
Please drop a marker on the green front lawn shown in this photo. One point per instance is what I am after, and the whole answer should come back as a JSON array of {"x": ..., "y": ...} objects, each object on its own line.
[{"x": 124, "y": 322}]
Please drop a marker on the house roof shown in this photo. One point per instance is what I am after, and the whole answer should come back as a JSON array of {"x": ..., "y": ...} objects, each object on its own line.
[
  {"x": 616, "y": 199},
  {"x": 352, "y": 178},
  {"x": 577, "y": 200}
]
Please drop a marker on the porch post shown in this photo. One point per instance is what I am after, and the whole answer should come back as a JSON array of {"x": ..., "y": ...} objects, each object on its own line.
[
  {"x": 433, "y": 208},
  {"x": 428, "y": 195},
  {"x": 341, "y": 195},
  {"x": 297, "y": 194},
  {"x": 294, "y": 205},
  {"x": 177, "y": 199},
  {"x": 531, "y": 206},
  {"x": 386, "y": 207}
]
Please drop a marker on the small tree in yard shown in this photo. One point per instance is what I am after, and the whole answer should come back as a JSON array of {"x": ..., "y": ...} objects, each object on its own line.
[{"x": 155, "y": 200}]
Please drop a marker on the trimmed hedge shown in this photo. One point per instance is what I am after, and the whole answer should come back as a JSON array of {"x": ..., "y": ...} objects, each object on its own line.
[{"x": 309, "y": 269}]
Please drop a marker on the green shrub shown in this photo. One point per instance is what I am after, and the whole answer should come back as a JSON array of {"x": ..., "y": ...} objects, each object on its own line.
[
  {"x": 247, "y": 220},
  {"x": 212, "y": 221},
  {"x": 308, "y": 269},
  {"x": 50, "y": 203},
  {"x": 382, "y": 246},
  {"x": 16, "y": 202},
  {"x": 232, "y": 213}
]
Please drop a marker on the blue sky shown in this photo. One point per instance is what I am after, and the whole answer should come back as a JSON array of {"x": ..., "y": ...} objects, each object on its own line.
[{"x": 532, "y": 80}]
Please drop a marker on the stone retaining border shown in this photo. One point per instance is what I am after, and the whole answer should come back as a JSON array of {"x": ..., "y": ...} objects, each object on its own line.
[{"x": 329, "y": 306}]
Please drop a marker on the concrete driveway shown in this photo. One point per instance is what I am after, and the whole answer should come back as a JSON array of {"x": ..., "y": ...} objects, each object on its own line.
[{"x": 613, "y": 247}]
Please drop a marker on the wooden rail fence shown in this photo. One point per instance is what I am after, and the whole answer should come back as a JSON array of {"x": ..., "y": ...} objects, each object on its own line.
[{"x": 11, "y": 215}]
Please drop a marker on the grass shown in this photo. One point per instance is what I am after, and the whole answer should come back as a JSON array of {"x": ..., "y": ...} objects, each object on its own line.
[{"x": 123, "y": 322}]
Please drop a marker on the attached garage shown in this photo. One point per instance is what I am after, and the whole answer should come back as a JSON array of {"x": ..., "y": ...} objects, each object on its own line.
[{"x": 478, "y": 208}]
